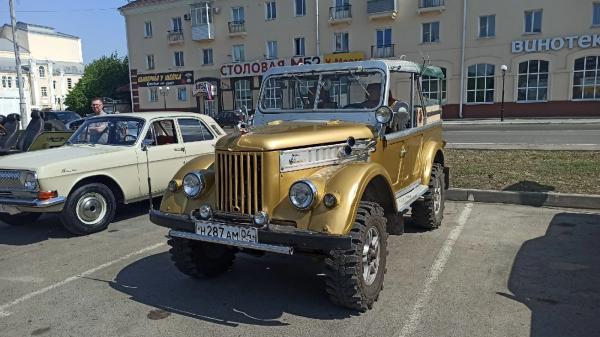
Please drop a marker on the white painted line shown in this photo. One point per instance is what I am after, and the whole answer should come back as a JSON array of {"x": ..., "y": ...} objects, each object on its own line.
[
  {"x": 436, "y": 269},
  {"x": 4, "y": 307}
]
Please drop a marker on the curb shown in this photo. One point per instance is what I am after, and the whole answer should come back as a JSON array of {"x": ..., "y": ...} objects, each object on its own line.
[
  {"x": 538, "y": 199},
  {"x": 519, "y": 122}
]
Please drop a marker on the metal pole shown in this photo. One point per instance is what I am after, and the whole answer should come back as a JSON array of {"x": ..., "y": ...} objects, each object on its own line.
[
  {"x": 462, "y": 60},
  {"x": 317, "y": 27},
  {"x": 502, "y": 104},
  {"x": 22, "y": 104}
]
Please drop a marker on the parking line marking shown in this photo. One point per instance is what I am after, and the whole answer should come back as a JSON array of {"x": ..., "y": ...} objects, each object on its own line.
[
  {"x": 436, "y": 269},
  {"x": 3, "y": 307}
]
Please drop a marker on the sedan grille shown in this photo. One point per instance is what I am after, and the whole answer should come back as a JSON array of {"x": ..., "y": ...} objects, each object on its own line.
[{"x": 10, "y": 180}]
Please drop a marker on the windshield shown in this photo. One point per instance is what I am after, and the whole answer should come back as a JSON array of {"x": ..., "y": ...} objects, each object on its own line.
[
  {"x": 108, "y": 131},
  {"x": 348, "y": 89},
  {"x": 64, "y": 116}
]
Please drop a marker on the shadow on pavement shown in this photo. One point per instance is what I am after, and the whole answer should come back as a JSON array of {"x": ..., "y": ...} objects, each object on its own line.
[
  {"x": 532, "y": 199},
  {"x": 557, "y": 277},
  {"x": 256, "y": 291}
]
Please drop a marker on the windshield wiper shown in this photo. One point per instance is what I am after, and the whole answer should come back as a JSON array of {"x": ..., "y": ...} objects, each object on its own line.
[{"x": 360, "y": 82}]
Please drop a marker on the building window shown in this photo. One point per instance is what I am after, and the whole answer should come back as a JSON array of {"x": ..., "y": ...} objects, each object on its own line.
[
  {"x": 53, "y": 84},
  {"x": 153, "y": 94},
  {"x": 480, "y": 83},
  {"x": 596, "y": 15},
  {"x": 271, "y": 49},
  {"x": 341, "y": 41},
  {"x": 243, "y": 94},
  {"x": 149, "y": 62},
  {"x": 42, "y": 71},
  {"x": 4, "y": 82},
  {"x": 69, "y": 83},
  {"x": 237, "y": 14},
  {"x": 272, "y": 95},
  {"x": 178, "y": 59},
  {"x": 384, "y": 47},
  {"x": 586, "y": 78},
  {"x": 239, "y": 54},
  {"x": 433, "y": 87},
  {"x": 44, "y": 91},
  {"x": 533, "y": 21},
  {"x": 182, "y": 94},
  {"x": 9, "y": 81},
  {"x": 299, "y": 7},
  {"x": 431, "y": 32},
  {"x": 207, "y": 56},
  {"x": 176, "y": 25},
  {"x": 271, "y": 10},
  {"x": 202, "y": 15},
  {"x": 299, "y": 46},
  {"x": 533, "y": 81},
  {"x": 487, "y": 26},
  {"x": 148, "y": 29}
]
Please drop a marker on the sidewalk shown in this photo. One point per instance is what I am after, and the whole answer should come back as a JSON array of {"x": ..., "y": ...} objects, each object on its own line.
[{"x": 513, "y": 121}]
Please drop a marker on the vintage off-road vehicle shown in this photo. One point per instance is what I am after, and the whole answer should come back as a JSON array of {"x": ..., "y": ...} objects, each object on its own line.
[{"x": 338, "y": 154}]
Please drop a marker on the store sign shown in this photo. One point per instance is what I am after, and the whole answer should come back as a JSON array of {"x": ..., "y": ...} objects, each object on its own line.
[
  {"x": 205, "y": 88},
  {"x": 344, "y": 57},
  {"x": 556, "y": 43},
  {"x": 165, "y": 79},
  {"x": 259, "y": 67}
]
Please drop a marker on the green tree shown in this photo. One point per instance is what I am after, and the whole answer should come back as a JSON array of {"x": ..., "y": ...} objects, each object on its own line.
[{"x": 101, "y": 78}]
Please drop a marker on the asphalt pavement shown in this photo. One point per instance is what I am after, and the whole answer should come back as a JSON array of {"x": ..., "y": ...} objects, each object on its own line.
[{"x": 490, "y": 270}]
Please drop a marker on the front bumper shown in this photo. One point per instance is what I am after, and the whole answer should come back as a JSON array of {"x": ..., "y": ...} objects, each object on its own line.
[
  {"x": 275, "y": 238},
  {"x": 35, "y": 203}
]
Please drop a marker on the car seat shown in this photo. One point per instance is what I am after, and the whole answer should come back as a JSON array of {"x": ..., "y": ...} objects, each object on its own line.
[
  {"x": 34, "y": 128},
  {"x": 12, "y": 126}
]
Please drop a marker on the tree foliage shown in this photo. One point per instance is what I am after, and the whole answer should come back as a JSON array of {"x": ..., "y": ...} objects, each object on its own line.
[{"x": 101, "y": 78}]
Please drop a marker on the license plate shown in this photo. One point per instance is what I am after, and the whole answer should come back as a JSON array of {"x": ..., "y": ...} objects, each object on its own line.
[{"x": 234, "y": 233}]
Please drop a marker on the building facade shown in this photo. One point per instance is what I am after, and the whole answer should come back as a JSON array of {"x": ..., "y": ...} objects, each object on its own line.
[
  {"x": 51, "y": 62},
  {"x": 209, "y": 56}
]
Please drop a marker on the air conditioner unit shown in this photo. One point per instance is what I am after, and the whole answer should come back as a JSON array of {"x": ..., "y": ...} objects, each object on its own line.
[
  {"x": 216, "y": 10},
  {"x": 187, "y": 17}
]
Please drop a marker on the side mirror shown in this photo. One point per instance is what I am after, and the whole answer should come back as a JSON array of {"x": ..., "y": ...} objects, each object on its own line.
[{"x": 146, "y": 143}]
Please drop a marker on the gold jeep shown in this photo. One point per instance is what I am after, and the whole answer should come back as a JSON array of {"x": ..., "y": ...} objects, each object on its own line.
[{"x": 337, "y": 154}]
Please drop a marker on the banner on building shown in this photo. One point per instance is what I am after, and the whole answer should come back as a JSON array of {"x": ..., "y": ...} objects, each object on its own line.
[
  {"x": 344, "y": 57},
  {"x": 165, "y": 79},
  {"x": 258, "y": 68}
]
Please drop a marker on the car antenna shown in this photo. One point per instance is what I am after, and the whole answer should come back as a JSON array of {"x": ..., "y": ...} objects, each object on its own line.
[{"x": 145, "y": 149}]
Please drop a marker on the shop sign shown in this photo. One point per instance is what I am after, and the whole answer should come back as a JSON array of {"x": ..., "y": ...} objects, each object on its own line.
[
  {"x": 556, "y": 43},
  {"x": 344, "y": 57},
  {"x": 205, "y": 88},
  {"x": 165, "y": 79},
  {"x": 257, "y": 68}
]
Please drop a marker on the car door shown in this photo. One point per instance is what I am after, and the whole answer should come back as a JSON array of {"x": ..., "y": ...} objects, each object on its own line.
[
  {"x": 197, "y": 137},
  {"x": 166, "y": 154}
]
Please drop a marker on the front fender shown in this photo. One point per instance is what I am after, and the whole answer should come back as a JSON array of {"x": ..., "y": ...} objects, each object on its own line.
[{"x": 430, "y": 150}]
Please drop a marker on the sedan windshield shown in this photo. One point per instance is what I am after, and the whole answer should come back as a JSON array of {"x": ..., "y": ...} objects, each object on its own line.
[
  {"x": 347, "y": 89},
  {"x": 108, "y": 131}
]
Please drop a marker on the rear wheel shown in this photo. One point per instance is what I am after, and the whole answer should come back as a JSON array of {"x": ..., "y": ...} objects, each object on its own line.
[
  {"x": 89, "y": 209},
  {"x": 200, "y": 259},
  {"x": 429, "y": 212},
  {"x": 19, "y": 218}
]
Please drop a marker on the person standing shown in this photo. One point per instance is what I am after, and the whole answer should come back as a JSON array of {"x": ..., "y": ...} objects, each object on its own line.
[
  {"x": 97, "y": 131},
  {"x": 98, "y": 106}
]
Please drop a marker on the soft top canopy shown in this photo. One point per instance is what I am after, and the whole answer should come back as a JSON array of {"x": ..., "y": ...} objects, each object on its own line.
[{"x": 385, "y": 65}]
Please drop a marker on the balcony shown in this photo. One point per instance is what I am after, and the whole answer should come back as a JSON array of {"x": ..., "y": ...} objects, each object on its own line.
[
  {"x": 237, "y": 28},
  {"x": 382, "y": 9},
  {"x": 175, "y": 36},
  {"x": 426, "y": 6},
  {"x": 340, "y": 14},
  {"x": 381, "y": 52}
]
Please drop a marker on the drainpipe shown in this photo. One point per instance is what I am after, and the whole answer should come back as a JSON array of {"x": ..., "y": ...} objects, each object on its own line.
[
  {"x": 462, "y": 60},
  {"x": 317, "y": 33}
]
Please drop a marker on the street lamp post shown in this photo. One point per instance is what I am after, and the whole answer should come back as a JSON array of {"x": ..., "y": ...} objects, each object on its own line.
[
  {"x": 164, "y": 91},
  {"x": 504, "y": 68}
]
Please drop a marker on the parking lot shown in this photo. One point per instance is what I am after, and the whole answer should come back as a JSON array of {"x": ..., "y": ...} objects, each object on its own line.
[{"x": 491, "y": 270}]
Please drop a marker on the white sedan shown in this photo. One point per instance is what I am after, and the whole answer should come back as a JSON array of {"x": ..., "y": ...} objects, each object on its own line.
[{"x": 102, "y": 165}]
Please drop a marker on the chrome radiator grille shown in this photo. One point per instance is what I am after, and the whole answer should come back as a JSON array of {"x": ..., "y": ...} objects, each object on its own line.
[
  {"x": 238, "y": 177},
  {"x": 10, "y": 180}
]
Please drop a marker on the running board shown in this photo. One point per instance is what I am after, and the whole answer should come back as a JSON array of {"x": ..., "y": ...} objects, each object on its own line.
[{"x": 404, "y": 201}]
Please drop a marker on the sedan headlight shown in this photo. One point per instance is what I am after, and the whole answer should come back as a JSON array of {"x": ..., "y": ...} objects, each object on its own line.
[
  {"x": 193, "y": 184},
  {"x": 303, "y": 194},
  {"x": 30, "y": 181}
]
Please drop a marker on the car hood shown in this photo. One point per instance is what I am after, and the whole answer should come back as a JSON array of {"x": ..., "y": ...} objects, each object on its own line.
[
  {"x": 281, "y": 135},
  {"x": 68, "y": 159}
]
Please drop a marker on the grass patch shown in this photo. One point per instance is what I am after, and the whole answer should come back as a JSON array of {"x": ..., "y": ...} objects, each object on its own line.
[{"x": 525, "y": 170}]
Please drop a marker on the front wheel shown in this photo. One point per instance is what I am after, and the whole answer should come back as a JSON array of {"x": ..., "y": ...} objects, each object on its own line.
[
  {"x": 429, "y": 212},
  {"x": 354, "y": 277},
  {"x": 18, "y": 219},
  {"x": 200, "y": 259},
  {"x": 89, "y": 209}
]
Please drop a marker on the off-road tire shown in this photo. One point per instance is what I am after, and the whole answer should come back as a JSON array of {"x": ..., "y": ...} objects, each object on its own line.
[
  {"x": 428, "y": 213},
  {"x": 19, "y": 218},
  {"x": 200, "y": 259},
  {"x": 73, "y": 213},
  {"x": 344, "y": 279}
]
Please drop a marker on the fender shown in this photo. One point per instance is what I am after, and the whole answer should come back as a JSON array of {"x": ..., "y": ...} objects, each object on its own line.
[{"x": 429, "y": 151}]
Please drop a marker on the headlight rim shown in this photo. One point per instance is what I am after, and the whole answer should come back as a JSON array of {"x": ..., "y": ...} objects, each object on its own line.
[
  {"x": 314, "y": 190},
  {"x": 202, "y": 184},
  {"x": 33, "y": 174},
  {"x": 388, "y": 112}
]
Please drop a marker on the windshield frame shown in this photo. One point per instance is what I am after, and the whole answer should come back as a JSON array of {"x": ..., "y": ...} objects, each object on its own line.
[
  {"x": 320, "y": 74},
  {"x": 108, "y": 118}
]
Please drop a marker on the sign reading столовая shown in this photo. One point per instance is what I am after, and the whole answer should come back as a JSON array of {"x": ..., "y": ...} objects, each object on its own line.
[{"x": 556, "y": 43}]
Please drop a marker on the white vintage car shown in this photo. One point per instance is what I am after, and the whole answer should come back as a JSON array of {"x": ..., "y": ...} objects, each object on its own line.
[{"x": 102, "y": 165}]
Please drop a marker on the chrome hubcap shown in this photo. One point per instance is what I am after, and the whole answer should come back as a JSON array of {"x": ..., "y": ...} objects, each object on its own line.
[
  {"x": 370, "y": 256},
  {"x": 91, "y": 208},
  {"x": 437, "y": 199}
]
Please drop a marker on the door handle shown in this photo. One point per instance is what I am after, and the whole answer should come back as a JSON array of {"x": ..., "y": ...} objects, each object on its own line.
[
  {"x": 180, "y": 149},
  {"x": 403, "y": 152}
]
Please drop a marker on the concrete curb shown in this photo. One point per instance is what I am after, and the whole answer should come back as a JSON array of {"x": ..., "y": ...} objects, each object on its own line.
[
  {"x": 520, "y": 121},
  {"x": 526, "y": 198}
]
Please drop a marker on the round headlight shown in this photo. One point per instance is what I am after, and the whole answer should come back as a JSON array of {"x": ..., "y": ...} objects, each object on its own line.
[
  {"x": 383, "y": 115},
  {"x": 30, "y": 181},
  {"x": 193, "y": 184},
  {"x": 303, "y": 194}
]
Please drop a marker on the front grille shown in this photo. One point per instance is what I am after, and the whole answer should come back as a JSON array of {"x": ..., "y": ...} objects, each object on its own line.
[
  {"x": 10, "y": 180},
  {"x": 238, "y": 177}
]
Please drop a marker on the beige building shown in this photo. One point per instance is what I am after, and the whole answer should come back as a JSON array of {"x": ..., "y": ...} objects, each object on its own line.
[
  {"x": 178, "y": 47},
  {"x": 52, "y": 63}
]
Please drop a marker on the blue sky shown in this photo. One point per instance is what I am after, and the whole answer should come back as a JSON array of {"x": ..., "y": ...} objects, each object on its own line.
[{"x": 97, "y": 22}]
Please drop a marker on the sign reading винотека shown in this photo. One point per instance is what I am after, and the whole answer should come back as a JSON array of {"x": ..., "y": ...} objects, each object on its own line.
[{"x": 556, "y": 43}]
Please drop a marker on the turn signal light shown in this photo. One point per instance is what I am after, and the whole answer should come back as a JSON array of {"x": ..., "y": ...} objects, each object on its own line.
[{"x": 45, "y": 195}]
